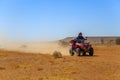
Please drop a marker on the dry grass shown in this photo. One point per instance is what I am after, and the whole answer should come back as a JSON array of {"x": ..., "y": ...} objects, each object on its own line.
[{"x": 57, "y": 54}]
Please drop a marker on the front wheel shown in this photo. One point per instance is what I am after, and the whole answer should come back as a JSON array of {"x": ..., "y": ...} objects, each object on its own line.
[
  {"x": 78, "y": 51},
  {"x": 91, "y": 51},
  {"x": 71, "y": 52}
]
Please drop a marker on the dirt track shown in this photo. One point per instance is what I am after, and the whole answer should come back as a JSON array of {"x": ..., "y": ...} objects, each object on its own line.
[{"x": 105, "y": 65}]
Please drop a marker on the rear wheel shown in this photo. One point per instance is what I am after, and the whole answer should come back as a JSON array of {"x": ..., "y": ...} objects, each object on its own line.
[
  {"x": 78, "y": 51},
  {"x": 91, "y": 51},
  {"x": 71, "y": 52}
]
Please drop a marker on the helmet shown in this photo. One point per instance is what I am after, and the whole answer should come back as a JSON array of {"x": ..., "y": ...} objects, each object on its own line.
[{"x": 80, "y": 33}]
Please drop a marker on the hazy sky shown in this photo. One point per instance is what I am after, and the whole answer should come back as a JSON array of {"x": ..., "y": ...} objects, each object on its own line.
[{"x": 56, "y": 19}]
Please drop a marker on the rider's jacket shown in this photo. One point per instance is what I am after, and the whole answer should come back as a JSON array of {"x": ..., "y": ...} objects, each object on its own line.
[{"x": 80, "y": 39}]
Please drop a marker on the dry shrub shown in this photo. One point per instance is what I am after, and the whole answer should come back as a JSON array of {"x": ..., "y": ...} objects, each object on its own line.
[
  {"x": 118, "y": 41},
  {"x": 57, "y": 54}
]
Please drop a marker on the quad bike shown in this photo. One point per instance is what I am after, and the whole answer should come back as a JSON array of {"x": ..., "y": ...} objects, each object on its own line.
[{"x": 80, "y": 48}]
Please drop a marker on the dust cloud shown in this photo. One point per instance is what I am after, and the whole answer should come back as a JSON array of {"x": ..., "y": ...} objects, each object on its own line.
[{"x": 36, "y": 47}]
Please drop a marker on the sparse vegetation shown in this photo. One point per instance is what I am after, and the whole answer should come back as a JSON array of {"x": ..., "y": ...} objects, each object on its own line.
[
  {"x": 110, "y": 43},
  {"x": 118, "y": 41},
  {"x": 57, "y": 54},
  {"x": 102, "y": 41}
]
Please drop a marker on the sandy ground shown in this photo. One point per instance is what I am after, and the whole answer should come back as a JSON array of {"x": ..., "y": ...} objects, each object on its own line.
[{"x": 104, "y": 65}]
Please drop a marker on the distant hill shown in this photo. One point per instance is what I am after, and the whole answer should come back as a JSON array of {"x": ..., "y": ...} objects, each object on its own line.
[{"x": 96, "y": 40}]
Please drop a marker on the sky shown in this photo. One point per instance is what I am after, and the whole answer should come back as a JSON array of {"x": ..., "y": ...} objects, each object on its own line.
[{"x": 34, "y": 20}]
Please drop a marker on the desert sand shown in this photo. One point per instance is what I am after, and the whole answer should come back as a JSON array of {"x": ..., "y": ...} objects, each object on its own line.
[{"x": 32, "y": 61}]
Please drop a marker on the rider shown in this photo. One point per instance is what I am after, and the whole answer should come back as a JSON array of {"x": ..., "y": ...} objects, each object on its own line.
[{"x": 79, "y": 39}]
